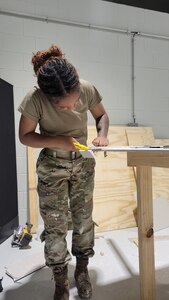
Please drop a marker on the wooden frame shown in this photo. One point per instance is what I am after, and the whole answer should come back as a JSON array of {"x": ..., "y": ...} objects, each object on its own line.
[{"x": 144, "y": 161}]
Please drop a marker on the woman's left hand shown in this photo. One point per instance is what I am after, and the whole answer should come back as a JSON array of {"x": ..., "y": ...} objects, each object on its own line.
[{"x": 100, "y": 141}]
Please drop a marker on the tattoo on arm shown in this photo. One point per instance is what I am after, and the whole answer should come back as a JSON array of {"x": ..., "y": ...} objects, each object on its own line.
[{"x": 102, "y": 125}]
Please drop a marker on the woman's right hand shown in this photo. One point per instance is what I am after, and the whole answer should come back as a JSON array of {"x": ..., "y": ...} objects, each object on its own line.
[{"x": 65, "y": 143}]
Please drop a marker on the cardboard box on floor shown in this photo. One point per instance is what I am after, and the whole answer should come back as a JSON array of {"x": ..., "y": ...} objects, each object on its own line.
[{"x": 115, "y": 197}]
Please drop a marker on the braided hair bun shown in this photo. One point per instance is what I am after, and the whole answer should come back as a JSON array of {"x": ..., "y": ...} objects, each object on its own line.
[{"x": 40, "y": 57}]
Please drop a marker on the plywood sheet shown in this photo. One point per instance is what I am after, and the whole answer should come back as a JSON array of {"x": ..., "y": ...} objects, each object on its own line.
[
  {"x": 32, "y": 194},
  {"x": 139, "y": 136},
  {"x": 115, "y": 188},
  {"x": 117, "y": 135},
  {"x": 114, "y": 194}
]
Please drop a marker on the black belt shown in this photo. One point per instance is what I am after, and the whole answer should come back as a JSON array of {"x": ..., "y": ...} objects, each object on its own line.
[{"x": 70, "y": 155}]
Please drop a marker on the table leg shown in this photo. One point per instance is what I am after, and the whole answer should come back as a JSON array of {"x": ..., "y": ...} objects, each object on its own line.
[{"x": 145, "y": 233}]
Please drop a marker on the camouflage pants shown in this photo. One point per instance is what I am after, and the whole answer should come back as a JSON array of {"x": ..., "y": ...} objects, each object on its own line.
[{"x": 60, "y": 180}]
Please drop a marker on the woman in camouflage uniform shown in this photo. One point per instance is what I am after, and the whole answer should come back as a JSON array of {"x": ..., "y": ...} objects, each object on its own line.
[{"x": 59, "y": 105}]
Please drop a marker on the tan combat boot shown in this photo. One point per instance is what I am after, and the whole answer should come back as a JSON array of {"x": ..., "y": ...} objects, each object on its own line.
[
  {"x": 82, "y": 279},
  {"x": 61, "y": 283}
]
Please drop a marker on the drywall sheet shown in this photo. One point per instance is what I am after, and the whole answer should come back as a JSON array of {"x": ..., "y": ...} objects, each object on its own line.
[{"x": 25, "y": 266}]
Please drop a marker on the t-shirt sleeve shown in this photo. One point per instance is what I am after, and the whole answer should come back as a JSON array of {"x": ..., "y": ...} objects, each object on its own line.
[
  {"x": 93, "y": 96},
  {"x": 30, "y": 107}
]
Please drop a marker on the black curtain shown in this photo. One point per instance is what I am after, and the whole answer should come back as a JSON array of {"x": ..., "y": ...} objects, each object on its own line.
[{"x": 8, "y": 179}]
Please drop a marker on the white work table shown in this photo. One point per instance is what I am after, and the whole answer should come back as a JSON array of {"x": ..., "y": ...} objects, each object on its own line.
[{"x": 144, "y": 158}]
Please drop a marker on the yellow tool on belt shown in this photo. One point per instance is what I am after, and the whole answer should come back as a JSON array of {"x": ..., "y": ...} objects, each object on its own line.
[{"x": 80, "y": 146}]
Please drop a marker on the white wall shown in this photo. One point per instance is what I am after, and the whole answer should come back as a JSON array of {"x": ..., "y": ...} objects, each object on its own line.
[{"x": 103, "y": 57}]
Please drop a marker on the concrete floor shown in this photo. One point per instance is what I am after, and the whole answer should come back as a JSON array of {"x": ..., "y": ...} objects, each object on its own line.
[{"x": 113, "y": 270}]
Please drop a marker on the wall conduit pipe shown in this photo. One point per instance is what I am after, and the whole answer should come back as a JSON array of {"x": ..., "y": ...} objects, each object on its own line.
[
  {"x": 133, "y": 34},
  {"x": 95, "y": 27}
]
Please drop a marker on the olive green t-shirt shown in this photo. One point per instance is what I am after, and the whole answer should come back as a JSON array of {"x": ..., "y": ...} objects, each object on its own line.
[{"x": 52, "y": 121}]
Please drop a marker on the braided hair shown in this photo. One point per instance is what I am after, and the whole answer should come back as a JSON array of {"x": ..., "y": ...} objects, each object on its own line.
[{"x": 56, "y": 76}]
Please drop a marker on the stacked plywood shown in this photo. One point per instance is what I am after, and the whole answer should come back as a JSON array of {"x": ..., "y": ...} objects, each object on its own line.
[{"x": 115, "y": 199}]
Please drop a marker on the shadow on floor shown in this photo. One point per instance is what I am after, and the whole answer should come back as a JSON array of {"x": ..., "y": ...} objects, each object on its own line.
[{"x": 39, "y": 285}]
